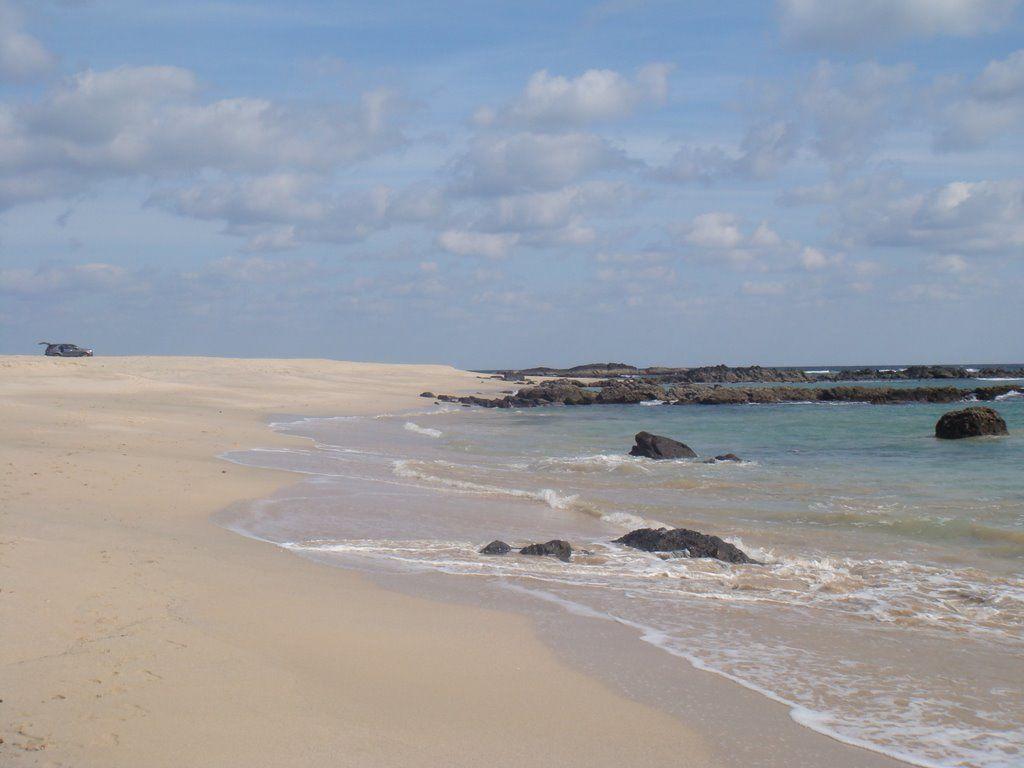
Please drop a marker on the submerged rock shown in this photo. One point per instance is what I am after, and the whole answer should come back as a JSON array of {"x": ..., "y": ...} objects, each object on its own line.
[
  {"x": 554, "y": 548},
  {"x": 658, "y": 447},
  {"x": 496, "y": 547},
  {"x": 691, "y": 543},
  {"x": 970, "y": 422},
  {"x": 727, "y": 457}
]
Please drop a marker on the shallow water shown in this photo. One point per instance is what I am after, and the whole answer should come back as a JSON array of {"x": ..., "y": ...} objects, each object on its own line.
[{"x": 890, "y": 608}]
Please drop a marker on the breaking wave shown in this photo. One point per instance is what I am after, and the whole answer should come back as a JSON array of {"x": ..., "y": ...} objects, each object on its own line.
[{"x": 427, "y": 431}]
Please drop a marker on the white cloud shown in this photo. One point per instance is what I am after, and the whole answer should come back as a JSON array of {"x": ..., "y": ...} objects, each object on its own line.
[
  {"x": 957, "y": 218},
  {"x": 523, "y": 162},
  {"x": 661, "y": 274},
  {"x": 596, "y": 95},
  {"x": 813, "y": 258},
  {"x": 763, "y": 288},
  {"x": 992, "y": 105},
  {"x": 22, "y": 56},
  {"x": 60, "y": 278},
  {"x": 152, "y": 122},
  {"x": 486, "y": 244},
  {"x": 858, "y": 22},
  {"x": 1002, "y": 78},
  {"x": 556, "y": 217},
  {"x": 848, "y": 109},
  {"x": 765, "y": 148},
  {"x": 715, "y": 230},
  {"x": 926, "y": 292},
  {"x": 836, "y": 113},
  {"x": 725, "y": 236},
  {"x": 258, "y": 269},
  {"x": 281, "y": 211},
  {"x": 952, "y": 264}
]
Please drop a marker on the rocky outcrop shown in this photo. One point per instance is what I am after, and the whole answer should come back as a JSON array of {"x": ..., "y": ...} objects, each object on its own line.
[
  {"x": 628, "y": 391},
  {"x": 970, "y": 422},
  {"x": 558, "y": 392},
  {"x": 625, "y": 391},
  {"x": 554, "y": 548},
  {"x": 431, "y": 395},
  {"x": 724, "y": 374},
  {"x": 726, "y": 457},
  {"x": 658, "y": 447},
  {"x": 698, "y": 395},
  {"x": 496, "y": 547},
  {"x": 588, "y": 370},
  {"x": 685, "y": 542},
  {"x": 565, "y": 392}
]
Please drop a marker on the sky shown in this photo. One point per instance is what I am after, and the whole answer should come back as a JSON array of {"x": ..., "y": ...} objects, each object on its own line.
[{"x": 513, "y": 184}]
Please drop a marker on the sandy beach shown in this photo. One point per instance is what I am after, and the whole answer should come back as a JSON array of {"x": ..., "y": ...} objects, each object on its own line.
[{"x": 135, "y": 632}]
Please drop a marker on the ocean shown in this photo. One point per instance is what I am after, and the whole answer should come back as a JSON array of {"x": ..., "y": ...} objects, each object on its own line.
[{"x": 889, "y": 609}]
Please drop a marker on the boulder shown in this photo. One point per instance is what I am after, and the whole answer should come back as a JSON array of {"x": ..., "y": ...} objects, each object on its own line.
[
  {"x": 970, "y": 422},
  {"x": 728, "y": 457},
  {"x": 431, "y": 395},
  {"x": 658, "y": 447},
  {"x": 682, "y": 540},
  {"x": 496, "y": 547},
  {"x": 554, "y": 548}
]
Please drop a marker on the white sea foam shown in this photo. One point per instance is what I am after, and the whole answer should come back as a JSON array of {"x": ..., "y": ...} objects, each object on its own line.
[
  {"x": 304, "y": 420},
  {"x": 627, "y": 521},
  {"x": 822, "y": 371},
  {"x": 548, "y": 496},
  {"x": 600, "y": 462},
  {"x": 822, "y": 722},
  {"x": 652, "y": 402},
  {"x": 1013, "y": 393},
  {"x": 1003, "y": 378},
  {"x": 911, "y": 736},
  {"x": 411, "y": 426}
]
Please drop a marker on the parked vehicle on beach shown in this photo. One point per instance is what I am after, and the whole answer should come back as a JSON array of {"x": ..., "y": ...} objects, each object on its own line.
[{"x": 65, "y": 350}]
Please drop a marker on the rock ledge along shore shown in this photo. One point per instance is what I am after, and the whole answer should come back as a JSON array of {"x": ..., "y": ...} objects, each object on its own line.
[
  {"x": 725, "y": 374},
  {"x": 625, "y": 391}
]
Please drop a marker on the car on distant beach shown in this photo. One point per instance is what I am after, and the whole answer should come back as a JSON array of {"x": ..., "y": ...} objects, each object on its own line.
[{"x": 65, "y": 350}]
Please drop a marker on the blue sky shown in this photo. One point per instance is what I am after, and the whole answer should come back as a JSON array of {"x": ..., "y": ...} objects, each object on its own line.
[{"x": 512, "y": 184}]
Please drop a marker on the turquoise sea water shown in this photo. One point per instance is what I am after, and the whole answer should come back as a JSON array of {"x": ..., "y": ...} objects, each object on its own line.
[{"x": 889, "y": 612}]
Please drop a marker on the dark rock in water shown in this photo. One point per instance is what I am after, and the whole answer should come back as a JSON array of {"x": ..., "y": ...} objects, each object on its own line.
[
  {"x": 970, "y": 422},
  {"x": 658, "y": 447},
  {"x": 723, "y": 458},
  {"x": 692, "y": 543},
  {"x": 554, "y": 548},
  {"x": 496, "y": 547},
  {"x": 428, "y": 394}
]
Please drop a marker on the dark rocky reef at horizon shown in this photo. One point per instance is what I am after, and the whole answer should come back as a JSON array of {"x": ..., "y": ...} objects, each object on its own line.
[
  {"x": 724, "y": 374},
  {"x": 626, "y": 391}
]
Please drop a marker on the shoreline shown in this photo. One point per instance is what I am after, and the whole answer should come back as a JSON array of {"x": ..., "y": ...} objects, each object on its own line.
[
  {"x": 620, "y": 652},
  {"x": 138, "y": 632}
]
